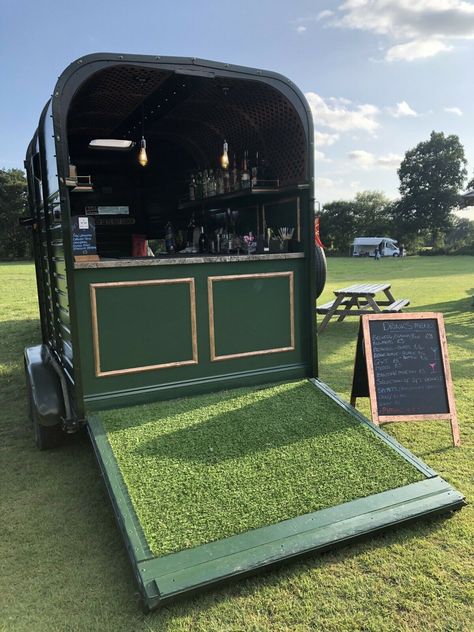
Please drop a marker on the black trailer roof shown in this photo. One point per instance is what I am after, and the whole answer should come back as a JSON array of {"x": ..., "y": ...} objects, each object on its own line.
[{"x": 83, "y": 70}]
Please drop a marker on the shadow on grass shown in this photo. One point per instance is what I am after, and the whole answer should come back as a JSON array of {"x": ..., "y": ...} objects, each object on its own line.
[
  {"x": 282, "y": 419},
  {"x": 15, "y": 335}
]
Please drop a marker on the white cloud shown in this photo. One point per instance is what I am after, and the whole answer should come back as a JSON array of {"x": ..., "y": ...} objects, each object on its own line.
[
  {"x": 300, "y": 29},
  {"x": 324, "y": 14},
  {"x": 340, "y": 115},
  {"x": 418, "y": 49},
  {"x": 365, "y": 159},
  {"x": 325, "y": 183},
  {"x": 402, "y": 109},
  {"x": 319, "y": 155},
  {"x": 389, "y": 161},
  {"x": 423, "y": 28},
  {"x": 362, "y": 158},
  {"x": 325, "y": 138},
  {"x": 454, "y": 110}
]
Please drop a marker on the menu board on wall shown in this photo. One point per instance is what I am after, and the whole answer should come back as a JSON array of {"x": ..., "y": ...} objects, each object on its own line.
[
  {"x": 402, "y": 365},
  {"x": 83, "y": 236}
]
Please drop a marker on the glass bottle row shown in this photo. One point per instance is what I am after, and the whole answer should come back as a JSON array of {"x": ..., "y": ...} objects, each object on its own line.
[{"x": 210, "y": 182}]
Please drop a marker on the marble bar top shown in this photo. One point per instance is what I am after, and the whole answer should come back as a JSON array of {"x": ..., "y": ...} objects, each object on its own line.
[{"x": 183, "y": 260}]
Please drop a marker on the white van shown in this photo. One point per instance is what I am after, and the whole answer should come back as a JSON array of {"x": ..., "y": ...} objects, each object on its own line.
[{"x": 366, "y": 246}]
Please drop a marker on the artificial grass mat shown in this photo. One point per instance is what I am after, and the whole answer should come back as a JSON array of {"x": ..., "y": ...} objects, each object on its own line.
[{"x": 207, "y": 467}]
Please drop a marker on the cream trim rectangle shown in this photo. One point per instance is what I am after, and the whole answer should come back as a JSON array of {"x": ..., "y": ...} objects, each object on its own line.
[
  {"x": 150, "y": 367},
  {"x": 234, "y": 277}
]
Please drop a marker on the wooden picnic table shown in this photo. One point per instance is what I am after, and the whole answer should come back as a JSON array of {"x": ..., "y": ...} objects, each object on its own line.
[{"x": 359, "y": 299}]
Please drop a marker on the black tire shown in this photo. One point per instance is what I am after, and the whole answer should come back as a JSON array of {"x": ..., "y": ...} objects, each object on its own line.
[
  {"x": 45, "y": 437},
  {"x": 321, "y": 269},
  {"x": 395, "y": 254}
]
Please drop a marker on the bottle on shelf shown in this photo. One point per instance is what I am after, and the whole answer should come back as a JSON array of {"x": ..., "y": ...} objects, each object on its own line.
[
  {"x": 190, "y": 232},
  {"x": 199, "y": 191},
  {"x": 255, "y": 171},
  {"x": 219, "y": 182},
  {"x": 234, "y": 179},
  {"x": 205, "y": 184},
  {"x": 192, "y": 188},
  {"x": 245, "y": 174},
  {"x": 211, "y": 188},
  {"x": 203, "y": 242},
  {"x": 170, "y": 242},
  {"x": 227, "y": 181}
]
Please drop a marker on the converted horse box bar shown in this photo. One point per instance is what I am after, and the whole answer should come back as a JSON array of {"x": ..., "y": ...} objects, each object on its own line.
[{"x": 172, "y": 211}]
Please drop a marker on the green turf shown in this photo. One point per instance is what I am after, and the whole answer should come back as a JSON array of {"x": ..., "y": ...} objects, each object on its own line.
[
  {"x": 63, "y": 563},
  {"x": 203, "y": 468}
]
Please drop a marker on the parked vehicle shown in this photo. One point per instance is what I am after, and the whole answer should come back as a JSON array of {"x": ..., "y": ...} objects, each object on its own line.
[{"x": 367, "y": 246}]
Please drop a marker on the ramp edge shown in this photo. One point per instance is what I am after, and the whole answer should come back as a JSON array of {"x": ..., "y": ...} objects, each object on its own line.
[{"x": 216, "y": 562}]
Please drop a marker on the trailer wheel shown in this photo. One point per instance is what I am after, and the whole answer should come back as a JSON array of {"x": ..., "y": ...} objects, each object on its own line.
[
  {"x": 45, "y": 437},
  {"x": 321, "y": 267}
]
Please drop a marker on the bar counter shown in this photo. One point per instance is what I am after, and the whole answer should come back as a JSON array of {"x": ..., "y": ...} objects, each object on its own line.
[{"x": 183, "y": 259}]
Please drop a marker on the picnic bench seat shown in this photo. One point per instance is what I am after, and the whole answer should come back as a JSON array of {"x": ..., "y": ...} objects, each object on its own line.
[
  {"x": 397, "y": 306},
  {"x": 322, "y": 309}
]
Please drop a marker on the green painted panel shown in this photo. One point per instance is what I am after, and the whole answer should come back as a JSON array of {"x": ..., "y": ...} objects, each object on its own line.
[
  {"x": 252, "y": 314},
  {"x": 144, "y": 325},
  {"x": 119, "y": 390}
]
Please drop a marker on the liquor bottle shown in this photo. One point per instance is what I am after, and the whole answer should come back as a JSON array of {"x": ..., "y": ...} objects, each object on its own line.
[
  {"x": 192, "y": 189},
  {"x": 245, "y": 175},
  {"x": 190, "y": 232},
  {"x": 212, "y": 183},
  {"x": 203, "y": 243},
  {"x": 234, "y": 183},
  {"x": 205, "y": 184},
  {"x": 227, "y": 180},
  {"x": 219, "y": 182},
  {"x": 169, "y": 239},
  {"x": 255, "y": 171},
  {"x": 199, "y": 192}
]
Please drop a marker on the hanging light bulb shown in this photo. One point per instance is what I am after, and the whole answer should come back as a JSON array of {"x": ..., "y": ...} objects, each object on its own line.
[
  {"x": 142, "y": 157},
  {"x": 225, "y": 156}
]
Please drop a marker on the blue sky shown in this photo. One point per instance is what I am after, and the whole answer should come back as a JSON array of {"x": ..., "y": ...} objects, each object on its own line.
[{"x": 379, "y": 74}]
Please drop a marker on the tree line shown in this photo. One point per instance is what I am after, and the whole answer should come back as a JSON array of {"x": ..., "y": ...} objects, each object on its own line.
[
  {"x": 432, "y": 177},
  {"x": 15, "y": 241}
]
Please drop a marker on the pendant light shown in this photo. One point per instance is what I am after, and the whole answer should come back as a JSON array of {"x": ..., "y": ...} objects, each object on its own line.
[
  {"x": 225, "y": 156},
  {"x": 142, "y": 156}
]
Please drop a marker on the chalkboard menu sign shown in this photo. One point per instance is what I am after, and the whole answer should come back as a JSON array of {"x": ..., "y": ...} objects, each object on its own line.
[
  {"x": 83, "y": 236},
  {"x": 402, "y": 365}
]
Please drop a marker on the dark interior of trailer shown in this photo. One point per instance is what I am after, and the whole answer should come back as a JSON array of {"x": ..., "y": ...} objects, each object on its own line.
[{"x": 185, "y": 121}]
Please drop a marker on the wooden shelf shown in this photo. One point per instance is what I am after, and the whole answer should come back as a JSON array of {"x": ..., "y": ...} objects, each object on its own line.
[{"x": 255, "y": 193}]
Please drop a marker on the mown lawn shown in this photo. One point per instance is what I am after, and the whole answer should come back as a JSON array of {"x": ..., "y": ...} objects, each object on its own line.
[{"x": 63, "y": 563}]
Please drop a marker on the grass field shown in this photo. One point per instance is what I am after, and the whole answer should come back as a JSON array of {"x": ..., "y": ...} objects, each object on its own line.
[{"x": 63, "y": 564}]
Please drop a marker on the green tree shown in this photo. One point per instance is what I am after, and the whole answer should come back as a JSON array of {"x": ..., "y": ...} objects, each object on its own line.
[
  {"x": 372, "y": 211},
  {"x": 470, "y": 184},
  {"x": 338, "y": 225},
  {"x": 431, "y": 177},
  {"x": 461, "y": 233},
  {"x": 15, "y": 240}
]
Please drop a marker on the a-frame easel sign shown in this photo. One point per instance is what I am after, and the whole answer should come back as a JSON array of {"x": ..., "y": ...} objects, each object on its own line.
[{"x": 402, "y": 364}]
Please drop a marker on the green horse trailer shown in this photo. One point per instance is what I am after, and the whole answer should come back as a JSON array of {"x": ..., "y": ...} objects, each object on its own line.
[{"x": 172, "y": 213}]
